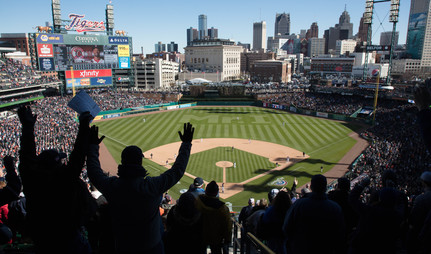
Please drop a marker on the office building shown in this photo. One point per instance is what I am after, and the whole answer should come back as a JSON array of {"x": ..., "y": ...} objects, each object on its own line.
[
  {"x": 214, "y": 56},
  {"x": 192, "y": 34},
  {"x": 316, "y": 47},
  {"x": 202, "y": 22},
  {"x": 342, "y": 31},
  {"x": 419, "y": 32},
  {"x": 282, "y": 24},
  {"x": 213, "y": 33},
  {"x": 313, "y": 32},
  {"x": 172, "y": 47},
  {"x": 386, "y": 38},
  {"x": 344, "y": 46},
  {"x": 259, "y": 36},
  {"x": 159, "y": 47}
]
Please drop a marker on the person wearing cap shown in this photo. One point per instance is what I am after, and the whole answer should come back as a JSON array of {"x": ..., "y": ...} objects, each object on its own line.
[
  {"x": 133, "y": 196},
  {"x": 421, "y": 210},
  {"x": 58, "y": 202},
  {"x": 314, "y": 224},
  {"x": 196, "y": 188},
  {"x": 217, "y": 223}
]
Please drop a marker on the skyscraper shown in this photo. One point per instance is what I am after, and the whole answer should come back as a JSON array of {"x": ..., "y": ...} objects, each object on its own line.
[
  {"x": 282, "y": 24},
  {"x": 418, "y": 39},
  {"x": 386, "y": 38},
  {"x": 172, "y": 47},
  {"x": 203, "y": 26},
  {"x": 363, "y": 30},
  {"x": 192, "y": 34},
  {"x": 213, "y": 33},
  {"x": 259, "y": 35},
  {"x": 342, "y": 31},
  {"x": 159, "y": 47},
  {"x": 313, "y": 32}
]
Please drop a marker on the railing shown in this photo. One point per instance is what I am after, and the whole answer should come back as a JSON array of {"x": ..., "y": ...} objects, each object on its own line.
[{"x": 247, "y": 243}]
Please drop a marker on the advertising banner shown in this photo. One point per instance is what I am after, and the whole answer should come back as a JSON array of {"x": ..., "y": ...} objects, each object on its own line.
[
  {"x": 124, "y": 62},
  {"x": 89, "y": 73},
  {"x": 320, "y": 114},
  {"x": 103, "y": 81},
  {"x": 49, "y": 38},
  {"x": 123, "y": 50},
  {"x": 46, "y": 64},
  {"x": 80, "y": 82},
  {"x": 118, "y": 40},
  {"x": 45, "y": 50}
]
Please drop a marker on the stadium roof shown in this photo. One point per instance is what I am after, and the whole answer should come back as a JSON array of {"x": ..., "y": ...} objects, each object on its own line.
[{"x": 197, "y": 81}]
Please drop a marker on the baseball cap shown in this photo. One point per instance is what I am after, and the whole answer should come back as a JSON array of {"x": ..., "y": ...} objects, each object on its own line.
[{"x": 198, "y": 181}]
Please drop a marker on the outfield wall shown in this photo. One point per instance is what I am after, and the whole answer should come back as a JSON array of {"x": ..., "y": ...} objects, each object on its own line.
[{"x": 316, "y": 113}]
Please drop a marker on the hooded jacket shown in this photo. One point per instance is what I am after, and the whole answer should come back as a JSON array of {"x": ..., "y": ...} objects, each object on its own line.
[
  {"x": 217, "y": 223},
  {"x": 134, "y": 199}
]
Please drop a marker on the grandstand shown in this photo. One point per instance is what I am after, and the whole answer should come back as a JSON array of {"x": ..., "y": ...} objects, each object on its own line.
[{"x": 394, "y": 141}]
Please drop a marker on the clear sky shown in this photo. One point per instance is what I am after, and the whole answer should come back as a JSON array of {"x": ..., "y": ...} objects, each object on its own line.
[{"x": 148, "y": 22}]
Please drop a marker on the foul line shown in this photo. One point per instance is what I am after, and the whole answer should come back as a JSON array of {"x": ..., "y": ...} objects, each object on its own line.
[
  {"x": 119, "y": 142},
  {"x": 329, "y": 145}
]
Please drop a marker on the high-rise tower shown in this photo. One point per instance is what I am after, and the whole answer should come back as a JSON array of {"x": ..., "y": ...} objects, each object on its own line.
[
  {"x": 282, "y": 24},
  {"x": 419, "y": 32},
  {"x": 203, "y": 32},
  {"x": 259, "y": 35}
]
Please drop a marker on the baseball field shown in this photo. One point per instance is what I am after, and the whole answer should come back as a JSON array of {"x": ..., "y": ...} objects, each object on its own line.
[{"x": 249, "y": 149}]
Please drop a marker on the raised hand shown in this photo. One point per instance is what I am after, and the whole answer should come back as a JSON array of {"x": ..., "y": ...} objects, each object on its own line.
[
  {"x": 85, "y": 119},
  {"x": 187, "y": 136},
  {"x": 26, "y": 117},
  {"x": 94, "y": 135}
]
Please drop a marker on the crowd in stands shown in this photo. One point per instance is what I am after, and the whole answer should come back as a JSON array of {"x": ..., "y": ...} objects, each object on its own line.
[
  {"x": 14, "y": 74},
  {"x": 383, "y": 207},
  {"x": 56, "y": 125}
]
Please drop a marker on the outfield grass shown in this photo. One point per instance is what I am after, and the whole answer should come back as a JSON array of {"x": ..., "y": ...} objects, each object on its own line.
[{"x": 325, "y": 141}]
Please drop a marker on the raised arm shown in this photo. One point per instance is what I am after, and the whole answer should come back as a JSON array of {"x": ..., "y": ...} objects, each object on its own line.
[
  {"x": 77, "y": 156},
  {"x": 169, "y": 178},
  {"x": 97, "y": 177},
  {"x": 27, "y": 153}
]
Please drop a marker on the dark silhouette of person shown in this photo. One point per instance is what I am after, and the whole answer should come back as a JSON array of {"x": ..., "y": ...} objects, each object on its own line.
[
  {"x": 315, "y": 224},
  {"x": 184, "y": 227},
  {"x": 133, "y": 196},
  {"x": 58, "y": 201}
]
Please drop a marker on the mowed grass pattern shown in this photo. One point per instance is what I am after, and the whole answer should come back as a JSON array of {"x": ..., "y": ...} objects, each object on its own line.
[
  {"x": 248, "y": 165},
  {"x": 325, "y": 141}
]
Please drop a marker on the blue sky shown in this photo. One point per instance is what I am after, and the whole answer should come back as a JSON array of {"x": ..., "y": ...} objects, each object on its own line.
[{"x": 148, "y": 22}]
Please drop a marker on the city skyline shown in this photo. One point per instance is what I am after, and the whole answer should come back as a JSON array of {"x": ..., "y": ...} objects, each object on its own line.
[{"x": 147, "y": 26}]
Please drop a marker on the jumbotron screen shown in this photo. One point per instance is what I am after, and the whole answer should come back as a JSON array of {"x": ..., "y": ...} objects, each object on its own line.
[{"x": 61, "y": 52}]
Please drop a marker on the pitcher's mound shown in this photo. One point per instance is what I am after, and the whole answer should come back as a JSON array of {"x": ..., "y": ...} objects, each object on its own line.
[{"x": 224, "y": 164}]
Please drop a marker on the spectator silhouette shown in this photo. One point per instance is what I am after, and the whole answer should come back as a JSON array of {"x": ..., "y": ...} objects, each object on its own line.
[
  {"x": 423, "y": 103},
  {"x": 314, "y": 224},
  {"x": 270, "y": 227},
  {"x": 58, "y": 201},
  {"x": 134, "y": 197},
  {"x": 196, "y": 188},
  {"x": 341, "y": 196},
  {"x": 379, "y": 222},
  {"x": 418, "y": 220},
  {"x": 184, "y": 227},
  {"x": 8, "y": 194},
  {"x": 217, "y": 223}
]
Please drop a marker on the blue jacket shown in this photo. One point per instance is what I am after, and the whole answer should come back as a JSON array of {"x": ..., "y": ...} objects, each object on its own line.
[{"x": 135, "y": 201}]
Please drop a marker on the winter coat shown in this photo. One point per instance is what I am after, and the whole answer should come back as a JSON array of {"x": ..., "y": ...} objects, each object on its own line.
[{"x": 134, "y": 199}]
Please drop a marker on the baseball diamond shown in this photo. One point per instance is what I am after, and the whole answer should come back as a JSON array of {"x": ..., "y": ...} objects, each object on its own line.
[{"x": 241, "y": 135}]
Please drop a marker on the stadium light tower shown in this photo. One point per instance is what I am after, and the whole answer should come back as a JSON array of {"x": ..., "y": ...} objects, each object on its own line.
[{"x": 393, "y": 18}]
